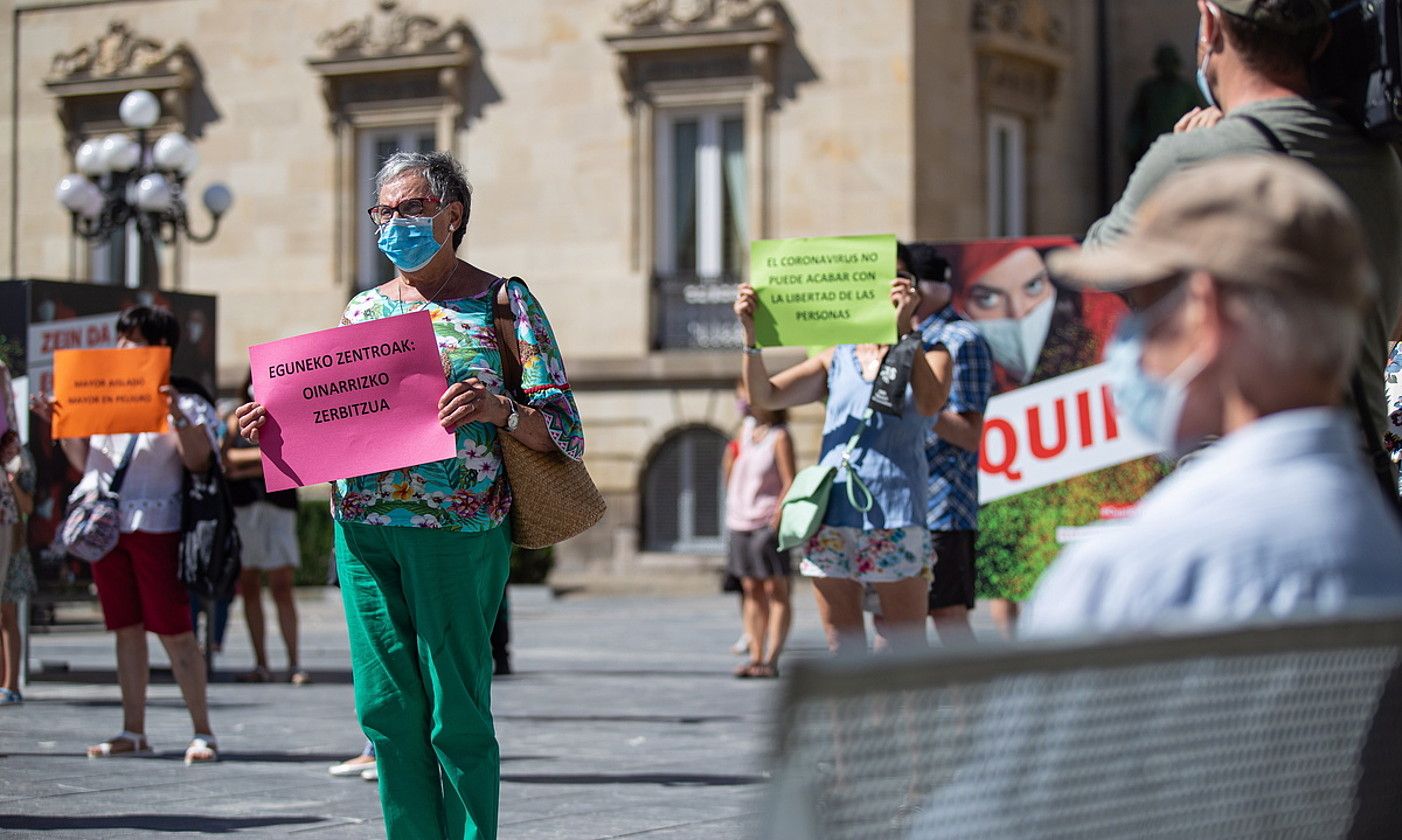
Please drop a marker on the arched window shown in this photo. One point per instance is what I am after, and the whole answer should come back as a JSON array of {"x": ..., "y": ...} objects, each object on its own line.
[{"x": 683, "y": 494}]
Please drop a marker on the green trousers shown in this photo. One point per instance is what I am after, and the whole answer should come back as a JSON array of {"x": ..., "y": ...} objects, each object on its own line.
[{"x": 420, "y": 604}]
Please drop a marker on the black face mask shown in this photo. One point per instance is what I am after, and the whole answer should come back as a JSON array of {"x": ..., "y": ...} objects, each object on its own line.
[{"x": 888, "y": 392}]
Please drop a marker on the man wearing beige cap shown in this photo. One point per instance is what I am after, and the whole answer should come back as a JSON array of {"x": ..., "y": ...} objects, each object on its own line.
[
  {"x": 1249, "y": 275},
  {"x": 1253, "y": 63}
]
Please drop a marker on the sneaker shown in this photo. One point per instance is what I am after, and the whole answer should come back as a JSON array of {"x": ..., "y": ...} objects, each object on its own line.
[
  {"x": 371, "y": 775},
  {"x": 355, "y": 767},
  {"x": 10, "y": 698}
]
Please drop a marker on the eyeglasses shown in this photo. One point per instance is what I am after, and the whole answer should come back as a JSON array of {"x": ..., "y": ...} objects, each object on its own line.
[{"x": 409, "y": 208}]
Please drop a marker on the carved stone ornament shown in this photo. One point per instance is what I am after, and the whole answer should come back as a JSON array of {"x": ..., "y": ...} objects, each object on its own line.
[
  {"x": 389, "y": 32},
  {"x": 119, "y": 53},
  {"x": 683, "y": 15},
  {"x": 1029, "y": 20}
]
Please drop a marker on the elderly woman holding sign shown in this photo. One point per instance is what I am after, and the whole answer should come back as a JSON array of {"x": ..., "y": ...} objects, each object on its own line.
[
  {"x": 872, "y": 527},
  {"x": 422, "y": 552}
]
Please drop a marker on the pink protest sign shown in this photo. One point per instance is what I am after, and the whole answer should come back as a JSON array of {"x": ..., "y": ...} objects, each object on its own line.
[{"x": 354, "y": 400}]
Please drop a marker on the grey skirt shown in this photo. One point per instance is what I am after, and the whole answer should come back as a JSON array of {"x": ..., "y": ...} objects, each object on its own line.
[{"x": 756, "y": 554}]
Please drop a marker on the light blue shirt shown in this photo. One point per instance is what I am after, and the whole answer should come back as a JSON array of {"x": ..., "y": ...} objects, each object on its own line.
[
  {"x": 1281, "y": 518},
  {"x": 889, "y": 458}
]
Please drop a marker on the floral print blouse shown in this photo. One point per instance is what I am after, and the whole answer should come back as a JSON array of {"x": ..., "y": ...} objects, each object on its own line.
[{"x": 468, "y": 493}]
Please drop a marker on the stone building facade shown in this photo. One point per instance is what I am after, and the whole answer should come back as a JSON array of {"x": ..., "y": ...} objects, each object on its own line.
[{"x": 623, "y": 152}]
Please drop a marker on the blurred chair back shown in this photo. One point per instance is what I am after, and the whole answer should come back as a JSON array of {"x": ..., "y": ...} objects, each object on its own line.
[{"x": 1285, "y": 731}]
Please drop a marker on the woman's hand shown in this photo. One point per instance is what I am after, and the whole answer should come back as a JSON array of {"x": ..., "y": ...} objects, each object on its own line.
[
  {"x": 906, "y": 299},
  {"x": 745, "y": 304},
  {"x": 250, "y": 417},
  {"x": 43, "y": 406},
  {"x": 1196, "y": 119},
  {"x": 173, "y": 413},
  {"x": 469, "y": 402},
  {"x": 194, "y": 446}
]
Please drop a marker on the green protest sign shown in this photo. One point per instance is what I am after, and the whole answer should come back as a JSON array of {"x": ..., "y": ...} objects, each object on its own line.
[{"x": 824, "y": 291}]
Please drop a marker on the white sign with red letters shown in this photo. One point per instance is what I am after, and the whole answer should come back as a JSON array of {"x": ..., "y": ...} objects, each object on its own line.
[{"x": 1052, "y": 431}]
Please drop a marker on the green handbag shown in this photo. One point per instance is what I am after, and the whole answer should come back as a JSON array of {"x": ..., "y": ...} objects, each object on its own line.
[{"x": 807, "y": 500}]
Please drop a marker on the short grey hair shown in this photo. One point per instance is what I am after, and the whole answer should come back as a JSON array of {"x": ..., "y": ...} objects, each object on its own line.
[
  {"x": 1297, "y": 334},
  {"x": 446, "y": 180}
]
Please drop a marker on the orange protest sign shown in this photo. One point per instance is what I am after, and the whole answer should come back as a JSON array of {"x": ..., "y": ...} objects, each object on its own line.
[{"x": 110, "y": 391}]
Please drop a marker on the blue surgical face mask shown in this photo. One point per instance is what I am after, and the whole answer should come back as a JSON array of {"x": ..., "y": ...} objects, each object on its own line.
[
  {"x": 1151, "y": 406},
  {"x": 1203, "y": 86},
  {"x": 409, "y": 242}
]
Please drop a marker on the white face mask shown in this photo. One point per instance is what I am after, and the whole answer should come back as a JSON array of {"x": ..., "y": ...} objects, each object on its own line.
[
  {"x": 1017, "y": 343},
  {"x": 1151, "y": 405}
]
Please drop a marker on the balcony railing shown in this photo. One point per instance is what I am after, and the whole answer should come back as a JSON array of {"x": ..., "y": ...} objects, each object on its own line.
[{"x": 694, "y": 313}]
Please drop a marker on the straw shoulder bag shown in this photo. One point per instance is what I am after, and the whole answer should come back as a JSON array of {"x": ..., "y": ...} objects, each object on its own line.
[{"x": 553, "y": 497}]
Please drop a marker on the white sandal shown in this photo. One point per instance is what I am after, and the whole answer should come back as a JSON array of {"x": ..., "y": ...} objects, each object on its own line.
[
  {"x": 107, "y": 749},
  {"x": 203, "y": 749}
]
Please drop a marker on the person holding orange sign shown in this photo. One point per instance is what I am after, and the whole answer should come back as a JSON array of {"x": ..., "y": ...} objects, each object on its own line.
[{"x": 137, "y": 583}]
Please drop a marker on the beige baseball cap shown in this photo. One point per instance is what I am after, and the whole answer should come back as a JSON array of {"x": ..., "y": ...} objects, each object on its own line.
[
  {"x": 1288, "y": 17},
  {"x": 1261, "y": 220}
]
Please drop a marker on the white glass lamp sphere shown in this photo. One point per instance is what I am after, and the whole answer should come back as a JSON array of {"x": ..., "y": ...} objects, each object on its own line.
[
  {"x": 93, "y": 201},
  {"x": 173, "y": 153},
  {"x": 139, "y": 109},
  {"x": 153, "y": 193},
  {"x": 69, "y": 191},
  {"x": 88, "y": 158},
  {"x": 79, "y": 195},
  {"x": 120, "y": 153},
  {"x": 218, "y": 199}
]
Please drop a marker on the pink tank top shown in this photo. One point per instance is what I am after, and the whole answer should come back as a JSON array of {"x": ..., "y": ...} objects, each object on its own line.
[{"x": 753, "y": 493}]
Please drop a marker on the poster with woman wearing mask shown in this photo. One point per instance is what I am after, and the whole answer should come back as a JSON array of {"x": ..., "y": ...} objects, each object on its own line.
[{"x": 1038, "y": 330}]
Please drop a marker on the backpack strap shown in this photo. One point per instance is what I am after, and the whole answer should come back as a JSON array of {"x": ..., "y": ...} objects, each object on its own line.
[
  {"x": 120, "y": 476},
  {"x": 1267, "y": 132}
]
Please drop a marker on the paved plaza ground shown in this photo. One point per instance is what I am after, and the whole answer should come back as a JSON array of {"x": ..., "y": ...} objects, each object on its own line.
[{"x": 622, "y": 721}]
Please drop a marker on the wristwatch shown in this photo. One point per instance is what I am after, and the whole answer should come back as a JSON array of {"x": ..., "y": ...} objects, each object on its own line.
[{"x": 513, "y": 419}]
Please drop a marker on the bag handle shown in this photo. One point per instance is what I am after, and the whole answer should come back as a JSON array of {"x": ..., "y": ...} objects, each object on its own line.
[
  {"x": 507, "y": 345},
  {"x": 854, "y": 482},
  {"x": 120, "y": 476}
]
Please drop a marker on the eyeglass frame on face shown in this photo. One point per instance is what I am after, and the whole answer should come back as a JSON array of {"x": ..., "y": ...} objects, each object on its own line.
[{"x": 395, "y": 209}]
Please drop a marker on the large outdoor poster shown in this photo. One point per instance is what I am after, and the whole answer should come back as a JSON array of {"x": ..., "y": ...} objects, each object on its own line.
[{"x": 1055, "y": 458}]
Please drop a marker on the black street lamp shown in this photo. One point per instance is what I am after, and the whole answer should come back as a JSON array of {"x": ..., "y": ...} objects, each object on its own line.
[{"x": 124, "y": 184}]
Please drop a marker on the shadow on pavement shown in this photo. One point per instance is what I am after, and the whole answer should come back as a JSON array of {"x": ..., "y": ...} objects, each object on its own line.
[
  {"x": 175, "y": 823},
  {"x": 659, "y": 673},
  {"x": 160, "y": 703},
  {"x": 162, "y": 676},
  {"x": 226, "y": 756},
  {"x": 664, "y": 779},
  {"x": 685, "y": 720}
]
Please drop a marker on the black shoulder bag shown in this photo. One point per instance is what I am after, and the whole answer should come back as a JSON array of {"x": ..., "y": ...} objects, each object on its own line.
[{"x": 210, "y": 548}]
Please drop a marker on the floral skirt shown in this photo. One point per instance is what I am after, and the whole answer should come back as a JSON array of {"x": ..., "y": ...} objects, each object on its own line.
[{"x": 882, "y": 555}]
